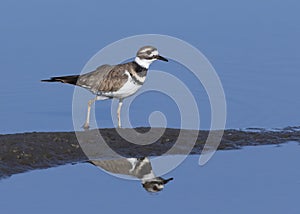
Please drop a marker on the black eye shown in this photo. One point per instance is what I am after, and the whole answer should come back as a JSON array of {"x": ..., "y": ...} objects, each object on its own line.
[
  {"x": 148, "y": 52},
  {"x": 155, "y": 188}
]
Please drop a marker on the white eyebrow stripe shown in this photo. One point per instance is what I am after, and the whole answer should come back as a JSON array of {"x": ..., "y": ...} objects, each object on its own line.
[
  {"x": 154, "y": 53},
  {"x": 146, "y": 49}
]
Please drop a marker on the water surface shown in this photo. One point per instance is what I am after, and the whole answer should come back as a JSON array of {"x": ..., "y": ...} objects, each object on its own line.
[{"x": 261, "y": 179}]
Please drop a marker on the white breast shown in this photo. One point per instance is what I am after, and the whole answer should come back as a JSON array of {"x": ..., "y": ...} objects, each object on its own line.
[{"x": 128, "y": 89}]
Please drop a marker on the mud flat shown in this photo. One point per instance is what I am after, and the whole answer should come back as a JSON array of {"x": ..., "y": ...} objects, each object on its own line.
[{"x": 38, "y": 150}]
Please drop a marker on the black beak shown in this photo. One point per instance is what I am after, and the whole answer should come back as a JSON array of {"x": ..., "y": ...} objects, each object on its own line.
[
  {"x": 162, "y": 58},
  {"x": 167, "y": 180}
]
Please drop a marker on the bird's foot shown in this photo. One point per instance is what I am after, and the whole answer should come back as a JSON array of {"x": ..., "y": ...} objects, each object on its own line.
[{"x": 86, "y": 126}]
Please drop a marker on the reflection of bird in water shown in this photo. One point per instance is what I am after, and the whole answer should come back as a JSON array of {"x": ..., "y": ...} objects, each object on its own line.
[
  {"x": 136, "y": 167},
  {"x": 118, "y": 81}
]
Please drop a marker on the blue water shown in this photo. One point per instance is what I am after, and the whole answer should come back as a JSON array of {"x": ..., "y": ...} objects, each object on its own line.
[
  {"x": 254, "y": 47},
  {"x": 261, "y": 179}
]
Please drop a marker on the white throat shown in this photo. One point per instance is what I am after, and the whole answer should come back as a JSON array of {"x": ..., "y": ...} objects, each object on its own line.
[
  {"x": 145, "y": 63},
  {"x": 148, "y": 177}
]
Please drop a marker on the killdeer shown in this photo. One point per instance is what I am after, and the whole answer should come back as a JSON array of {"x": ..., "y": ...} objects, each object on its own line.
[
  {"x": 114, "y": 81},
  {"x": 136, "y": 167}
]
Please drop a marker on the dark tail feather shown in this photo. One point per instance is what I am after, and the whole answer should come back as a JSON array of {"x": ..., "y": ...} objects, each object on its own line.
[{"x": 65, "y": 79}]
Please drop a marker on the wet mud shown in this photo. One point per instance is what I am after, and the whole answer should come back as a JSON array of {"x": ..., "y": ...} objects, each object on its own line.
[{"x": 39, "y": 150}]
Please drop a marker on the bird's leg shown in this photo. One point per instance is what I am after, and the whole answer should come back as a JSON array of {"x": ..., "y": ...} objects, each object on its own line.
[
  {"x": 87, "y": 121},
  {"x": 119, "y": 112}
]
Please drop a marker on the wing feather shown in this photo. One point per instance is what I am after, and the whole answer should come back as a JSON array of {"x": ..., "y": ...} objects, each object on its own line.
[{"x": 106, "y": 78}]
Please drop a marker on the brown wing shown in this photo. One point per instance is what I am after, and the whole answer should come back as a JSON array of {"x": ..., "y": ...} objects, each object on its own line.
[
  {"x": 105, "y": 78},
  {"x": 114, "y": 79},
  {"x": 123, "y": 166},
  {"x": 119, "y": 166}
]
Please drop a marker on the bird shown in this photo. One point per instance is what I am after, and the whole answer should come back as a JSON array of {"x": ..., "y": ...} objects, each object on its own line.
[
  {"x": 139, "y": 168},
  {"x": 114, "y": 81}
]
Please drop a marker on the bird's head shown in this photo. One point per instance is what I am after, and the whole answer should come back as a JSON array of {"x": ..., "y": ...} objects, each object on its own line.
[
  {"x": 156, "y": 184},
  {"x": 146, "y": 55}
]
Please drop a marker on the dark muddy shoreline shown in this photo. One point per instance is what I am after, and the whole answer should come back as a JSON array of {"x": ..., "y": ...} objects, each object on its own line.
[{"x": 38, "y": 150}]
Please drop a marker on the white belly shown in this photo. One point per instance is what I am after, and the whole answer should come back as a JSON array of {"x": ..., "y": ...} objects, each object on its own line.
[{"x": 128, "y": 89}]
